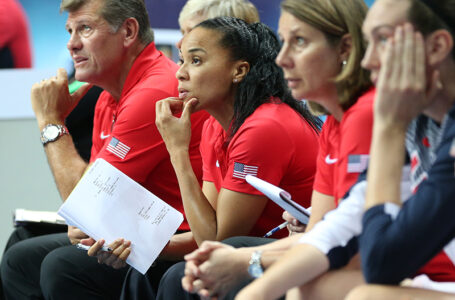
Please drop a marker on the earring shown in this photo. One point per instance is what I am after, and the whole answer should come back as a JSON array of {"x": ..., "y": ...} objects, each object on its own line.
[
  {"x": 344, "y": 63},
  {"x": 235, "y": 80}
]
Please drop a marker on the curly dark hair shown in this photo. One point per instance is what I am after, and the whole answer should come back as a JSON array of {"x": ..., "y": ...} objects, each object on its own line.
[{"x": 258, "y": 45}]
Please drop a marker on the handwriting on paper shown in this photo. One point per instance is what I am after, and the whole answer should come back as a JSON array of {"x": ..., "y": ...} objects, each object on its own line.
[
  {"x": 145, "y": 211},
  {"x": 161, "y": 216},
  {"x": 106, "y": 185}
]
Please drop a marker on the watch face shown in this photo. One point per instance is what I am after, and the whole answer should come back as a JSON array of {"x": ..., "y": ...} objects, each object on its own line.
[
  {"x": 51, "y": 132},
  {"x": 255, "y": 270}
]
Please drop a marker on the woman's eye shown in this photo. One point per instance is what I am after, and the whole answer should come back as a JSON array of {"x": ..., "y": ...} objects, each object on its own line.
[
  {"x": 196, "y": 61},
  {"x": 299, "y": 41},
  {"x": 383, "y": 39},
  {"x": 180, "y": 62}
]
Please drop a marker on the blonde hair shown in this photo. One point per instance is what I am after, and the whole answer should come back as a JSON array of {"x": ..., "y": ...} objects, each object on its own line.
[
  {"x": 242, "y": 9},
  {"x": 336, "y": 18}
]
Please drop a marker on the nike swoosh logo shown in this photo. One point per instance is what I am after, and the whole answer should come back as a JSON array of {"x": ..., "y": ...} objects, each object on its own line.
[
  {"x": 103, "y": 137},
  {"x": 330, "y": 161}
]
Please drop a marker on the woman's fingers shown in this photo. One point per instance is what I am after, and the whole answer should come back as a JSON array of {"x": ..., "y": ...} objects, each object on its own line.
[{"x": 189, "y": 108}]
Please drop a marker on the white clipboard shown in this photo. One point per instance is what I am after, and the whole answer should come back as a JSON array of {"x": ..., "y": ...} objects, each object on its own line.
[{"x": 280, "y": 197}]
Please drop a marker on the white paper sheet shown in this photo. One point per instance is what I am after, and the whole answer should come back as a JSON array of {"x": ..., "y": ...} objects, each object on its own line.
[
  {"x": 108, "y": 204},
  {"x": 273, "y": 193}
]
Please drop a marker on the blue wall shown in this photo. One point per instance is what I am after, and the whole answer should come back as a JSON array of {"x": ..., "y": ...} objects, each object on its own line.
[
  {"x": 269, "y": 11},
  {"x": 49, "y": 36}
]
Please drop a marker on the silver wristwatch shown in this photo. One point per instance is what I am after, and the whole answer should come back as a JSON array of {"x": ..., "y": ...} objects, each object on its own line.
[
  {"x": 255, "y": 268},
  {"x": 51, "y": 132}
]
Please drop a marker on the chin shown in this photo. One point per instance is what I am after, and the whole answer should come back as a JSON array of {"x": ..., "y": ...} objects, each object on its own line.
[
  {"x": 298, "y": 95},
  {"x": 84, "y": 76},
  {"x": 80, "y": 76}
]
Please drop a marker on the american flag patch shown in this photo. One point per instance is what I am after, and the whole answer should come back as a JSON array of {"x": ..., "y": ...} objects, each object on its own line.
[
  {"x": 241, "y": 170},
  {"x": 357, "y": 163},
  {"x": 118, "y": 148}
]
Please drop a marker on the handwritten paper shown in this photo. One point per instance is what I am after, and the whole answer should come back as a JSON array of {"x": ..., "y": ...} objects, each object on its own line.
[{"x": 108, "y": 204}]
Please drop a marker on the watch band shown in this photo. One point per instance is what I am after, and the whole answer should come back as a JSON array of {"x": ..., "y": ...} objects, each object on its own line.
[
  {"x": 52, "y": 132},
  {"x": 255, "y": 268}
]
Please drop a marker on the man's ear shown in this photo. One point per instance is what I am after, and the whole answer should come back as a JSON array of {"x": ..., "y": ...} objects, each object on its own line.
[
  {"x": 241, "y": 68},
  {"x": 438, "y": 46},
  {"x": 345, "y": 47},
  {"x": 130, "y": 30}
]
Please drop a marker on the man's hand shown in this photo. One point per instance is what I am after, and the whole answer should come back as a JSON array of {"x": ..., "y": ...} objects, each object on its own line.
[
  {"x": 115, "y": 258},
  {"x": 51, "y": 100},
  {"x": 76, "y": 235}
]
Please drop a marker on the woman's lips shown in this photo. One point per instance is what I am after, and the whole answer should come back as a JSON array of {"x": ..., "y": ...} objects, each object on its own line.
[
  {"x": 293, "y": 82},
  {"x": 182, "y": 95}
]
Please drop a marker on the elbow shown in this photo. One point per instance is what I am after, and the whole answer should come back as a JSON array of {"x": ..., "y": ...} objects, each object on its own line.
[{"x": 378, "y": 269}]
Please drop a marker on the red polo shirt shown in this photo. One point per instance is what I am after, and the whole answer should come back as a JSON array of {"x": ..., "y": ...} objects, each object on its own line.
[
  {"x": 276, "y": 143},
  {"x": 344, "y": 147}
]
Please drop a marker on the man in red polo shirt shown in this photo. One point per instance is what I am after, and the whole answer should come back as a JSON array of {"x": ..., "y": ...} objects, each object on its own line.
[{"x": 112, "y": 46}]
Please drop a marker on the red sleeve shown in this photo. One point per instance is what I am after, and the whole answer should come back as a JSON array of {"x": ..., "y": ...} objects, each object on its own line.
[
  {"x": 260, "y": 145},
  {"x": 356, "y": 130},
  {"x": 135, "y": 128},
  {"x": 323, "y": 182}
]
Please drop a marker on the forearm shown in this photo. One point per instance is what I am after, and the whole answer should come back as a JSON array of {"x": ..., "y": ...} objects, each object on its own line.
[
  {"x": 297, "y": 266},
  {"x": 200, "y": 214},
  {"x": 387, "y": 158},
  {"x": 65, "y": 163},
  {"x": 283, "y": 244},
  {"x": 320, "y": 205},
  {"x": 178, "y": 246}
]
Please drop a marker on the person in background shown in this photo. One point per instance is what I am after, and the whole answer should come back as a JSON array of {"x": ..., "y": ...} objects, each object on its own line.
[
  {"x": 80, "y": 120},
  {"x": 113, "y": 47},
  {"x": 196, "y": 11},
  {"x": 15, "y": 46}
]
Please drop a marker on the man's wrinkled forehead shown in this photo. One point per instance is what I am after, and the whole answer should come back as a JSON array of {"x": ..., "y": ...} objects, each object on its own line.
[
  {"x": 89, "y": 11},
  {"x": 386, "y": 13}
]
